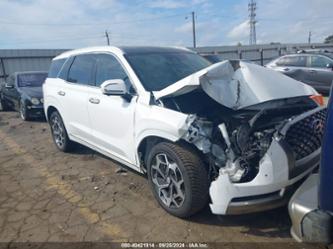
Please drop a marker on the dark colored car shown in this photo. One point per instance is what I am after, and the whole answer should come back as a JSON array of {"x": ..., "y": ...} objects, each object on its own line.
[
  {"x": 23, "y": 92},
  {"x": 314, "y": 68}
]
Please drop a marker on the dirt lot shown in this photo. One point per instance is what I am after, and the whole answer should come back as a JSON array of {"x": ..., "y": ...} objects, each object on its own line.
[{"x": 46, "y": 195}]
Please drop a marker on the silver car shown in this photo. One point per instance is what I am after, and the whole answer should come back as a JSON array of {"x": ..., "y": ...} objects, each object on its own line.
[{"x": 313, "y": 68}]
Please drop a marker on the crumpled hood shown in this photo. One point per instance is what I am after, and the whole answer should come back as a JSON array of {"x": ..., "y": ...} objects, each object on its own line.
[
  {"x": 36, "y": 92},
  {"x": 238, "y": 84}
]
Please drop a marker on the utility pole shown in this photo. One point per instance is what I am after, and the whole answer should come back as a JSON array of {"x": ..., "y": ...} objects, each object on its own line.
[
  {"x": 310, "y": 35},
  {"x": 107, "y": 38},
  {"x": 193, "y": 30},
  {"x": 252, "y": 7}
]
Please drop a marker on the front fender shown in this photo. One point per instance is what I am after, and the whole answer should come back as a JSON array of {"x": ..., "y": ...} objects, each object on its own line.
[{"x": 159, "y": 122}]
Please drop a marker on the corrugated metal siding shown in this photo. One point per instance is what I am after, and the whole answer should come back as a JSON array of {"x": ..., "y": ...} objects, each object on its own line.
[
  {"x": 260, "y": 54},
  {"x": 14, "y": 60}
]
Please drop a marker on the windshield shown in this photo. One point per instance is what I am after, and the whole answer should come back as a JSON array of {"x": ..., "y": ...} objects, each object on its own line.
[
  {"x": 156, "y": 71},
  {"x": 31, "y": 79}
]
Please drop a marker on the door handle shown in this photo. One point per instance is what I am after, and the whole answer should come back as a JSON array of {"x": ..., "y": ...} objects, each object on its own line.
[
  {"x": 312, "y": 71},
  {"x": 61, "y": 93},
  {"x": 94, "y": 101}
]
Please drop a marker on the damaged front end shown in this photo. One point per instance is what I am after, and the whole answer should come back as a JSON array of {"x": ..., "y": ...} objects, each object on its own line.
[{"x": 256, "y": 145}]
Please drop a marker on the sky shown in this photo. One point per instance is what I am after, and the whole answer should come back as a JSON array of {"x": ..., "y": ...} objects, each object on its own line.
[{"x": 82, "y": 23}]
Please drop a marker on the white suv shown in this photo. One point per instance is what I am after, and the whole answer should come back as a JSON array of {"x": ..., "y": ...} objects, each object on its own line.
[{"x": 234, "y": 134}]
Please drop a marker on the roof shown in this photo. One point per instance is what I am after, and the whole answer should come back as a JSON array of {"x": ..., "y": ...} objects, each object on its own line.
[
  {"x": 122, "y": 50},
  {"x": 141, "y": 50},
  {"x": 325, "y": 52}
]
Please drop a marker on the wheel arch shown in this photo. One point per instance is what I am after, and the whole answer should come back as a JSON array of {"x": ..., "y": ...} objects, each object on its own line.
[
  {"x": 50, "y": 110},
  {"x": 148, "y": 142}
]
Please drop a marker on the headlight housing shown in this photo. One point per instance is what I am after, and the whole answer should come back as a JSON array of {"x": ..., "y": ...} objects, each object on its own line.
[{"x": 35, "y": 101}]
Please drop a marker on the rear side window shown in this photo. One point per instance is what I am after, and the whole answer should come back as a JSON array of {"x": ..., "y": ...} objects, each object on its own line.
[
  {"x": 81, "y": 70},
  {"x": 319, "y": 61},
  {"x": 108, "y": 68},
  {"x": 55, "y": 68},
  {"x": 292, "y": 61}
]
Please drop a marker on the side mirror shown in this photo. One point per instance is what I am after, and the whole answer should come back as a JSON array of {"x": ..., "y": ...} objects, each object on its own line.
[
  {"x": 8, "y": 86},
  {"x": 114, "y": 87},
  {"x": 329, "y": 65}
]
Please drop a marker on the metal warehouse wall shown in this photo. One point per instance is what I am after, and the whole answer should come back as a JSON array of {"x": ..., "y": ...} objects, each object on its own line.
[
  {"x": 260, "y": 54},
  {"x": 15, "y": 60}
]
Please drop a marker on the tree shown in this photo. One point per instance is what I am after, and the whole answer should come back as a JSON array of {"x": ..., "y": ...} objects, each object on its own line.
[{"x": 329, "y": 39}]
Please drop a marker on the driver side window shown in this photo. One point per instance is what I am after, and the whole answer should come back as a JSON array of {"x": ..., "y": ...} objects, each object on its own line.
[{"x": 108, "y": 68}]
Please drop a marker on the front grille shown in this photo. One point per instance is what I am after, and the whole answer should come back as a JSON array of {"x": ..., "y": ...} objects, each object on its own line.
[{"x": 305, "y": 136}]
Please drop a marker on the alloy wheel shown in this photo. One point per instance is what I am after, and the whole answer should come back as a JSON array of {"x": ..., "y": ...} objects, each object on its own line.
[
  {"x": 58, "y": 131},
  {"x": 168, "y": 181},
  {"x": 23, "y": 111}
]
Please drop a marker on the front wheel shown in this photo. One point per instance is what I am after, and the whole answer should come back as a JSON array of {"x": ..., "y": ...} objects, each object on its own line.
[
  {"x": 24, "y": 112},
  {"x": 178, "y": 178},
  {"x": 3, "y": 106},
  {"x": 59, "y": 133}
]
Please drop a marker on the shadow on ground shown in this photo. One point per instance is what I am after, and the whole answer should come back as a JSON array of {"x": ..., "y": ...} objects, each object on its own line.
[{"x": 273, "y": 223}]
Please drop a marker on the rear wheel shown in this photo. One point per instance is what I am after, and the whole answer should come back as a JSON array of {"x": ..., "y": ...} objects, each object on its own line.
[
  {"x": 59, "y": 133},
  {"x": 178, "y": 178}
]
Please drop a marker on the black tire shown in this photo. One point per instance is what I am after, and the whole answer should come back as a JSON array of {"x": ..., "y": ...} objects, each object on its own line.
[
  {"x": 194, "y": 173},
  {"x": 3, "y": 106},
  {"x": 61, "y": 140},
  {"x": 24, "y": 113}
]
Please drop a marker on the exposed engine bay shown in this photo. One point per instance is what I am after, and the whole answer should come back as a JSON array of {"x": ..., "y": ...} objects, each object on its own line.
[{"x": 234, "y": 141}]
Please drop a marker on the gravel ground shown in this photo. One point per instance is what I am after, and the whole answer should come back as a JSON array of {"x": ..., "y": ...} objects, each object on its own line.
[{"x": 46, "y": 195}]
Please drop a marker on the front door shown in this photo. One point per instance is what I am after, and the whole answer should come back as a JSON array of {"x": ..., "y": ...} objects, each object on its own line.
[{"x": 112, "y": 117}]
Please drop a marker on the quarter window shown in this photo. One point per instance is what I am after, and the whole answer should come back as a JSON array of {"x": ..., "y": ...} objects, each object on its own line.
[
  {"x": 82, "y": 69},
  {"x": 292, "y": 61},
  {"x": 108, "y": 68},
  {"x": 55, "y": 68},
  {"x": 319, "y": 61}
]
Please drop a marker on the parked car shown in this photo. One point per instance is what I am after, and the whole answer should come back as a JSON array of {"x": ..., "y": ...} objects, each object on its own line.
[
  {"x": 235, "y": 133},
  {"x": 311, "y": 207},
  {"x": 23, "y": 92},
  {"x": 311, "y": 67}
]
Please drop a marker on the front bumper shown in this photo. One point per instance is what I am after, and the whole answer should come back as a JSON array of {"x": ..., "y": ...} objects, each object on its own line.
[
  {"x": 271, "y": 188},
  {"x": 36, "y": 110}
]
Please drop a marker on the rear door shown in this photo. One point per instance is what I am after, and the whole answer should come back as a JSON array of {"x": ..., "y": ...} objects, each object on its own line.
[
  {"x": 320, "y": 76},
  {"x": 112, "y": 117},
  {"x": 73, "y": 95}
]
